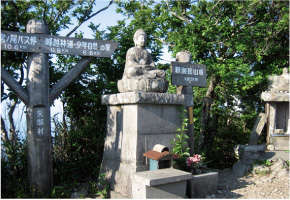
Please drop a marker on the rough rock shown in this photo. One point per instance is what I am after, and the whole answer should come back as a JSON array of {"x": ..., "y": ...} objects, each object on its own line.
[
  {"x": 261, "y": 169},
  {"x": 255, "y": 186}
]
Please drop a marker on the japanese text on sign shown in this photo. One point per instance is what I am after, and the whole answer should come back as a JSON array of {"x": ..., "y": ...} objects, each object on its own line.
[
  {"x": 186, "y": 74},
  {"x": 27, "y": 42},
  {"x": 39, "y": 122}
]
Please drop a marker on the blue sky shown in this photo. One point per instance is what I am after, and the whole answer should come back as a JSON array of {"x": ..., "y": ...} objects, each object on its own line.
[{"x": 109, "y": 17}]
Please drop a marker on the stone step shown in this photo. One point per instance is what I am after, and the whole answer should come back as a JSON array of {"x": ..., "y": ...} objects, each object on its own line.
[{"x": 281, "y": 142}]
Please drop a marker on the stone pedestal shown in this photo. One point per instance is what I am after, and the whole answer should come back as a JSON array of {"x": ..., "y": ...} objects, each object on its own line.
[
  {"x": 160, "y": 184},
  {"x": 136, "y": 121},
  {"x": 159, "y": 85},
  {"x": 202, "y": 185}
]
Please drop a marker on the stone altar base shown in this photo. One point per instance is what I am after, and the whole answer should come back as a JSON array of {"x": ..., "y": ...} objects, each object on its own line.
[
  {"x": 202, "y": 184},
  {"x": 136, "y": 121},
  {"x": 148, "y": 85},
  {"x": 160, "y": 184}
]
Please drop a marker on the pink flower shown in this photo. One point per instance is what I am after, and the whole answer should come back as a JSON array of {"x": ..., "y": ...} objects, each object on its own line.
[{"x": 195, "y": 159}]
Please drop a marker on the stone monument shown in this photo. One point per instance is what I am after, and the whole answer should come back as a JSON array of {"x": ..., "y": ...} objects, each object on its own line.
[
  {"x": 138, "y": 118},
  {"x": 277, "y": 110},
  {"x": 140, "y": 73}
]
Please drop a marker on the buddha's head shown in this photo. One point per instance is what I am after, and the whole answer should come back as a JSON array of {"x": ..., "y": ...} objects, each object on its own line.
[{"x": 140, "y": 38}]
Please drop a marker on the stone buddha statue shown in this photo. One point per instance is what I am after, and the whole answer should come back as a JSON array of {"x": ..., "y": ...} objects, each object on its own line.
[{"x": 140, "y": 73}]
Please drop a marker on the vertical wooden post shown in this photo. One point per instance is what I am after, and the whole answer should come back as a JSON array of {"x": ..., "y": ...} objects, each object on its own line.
[
  {"x": 185, "y": 57},
  {"x": 38, "y": 117}
]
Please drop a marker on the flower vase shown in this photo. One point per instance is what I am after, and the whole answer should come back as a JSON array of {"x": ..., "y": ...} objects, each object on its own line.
[{"x": 195, "y": 171}]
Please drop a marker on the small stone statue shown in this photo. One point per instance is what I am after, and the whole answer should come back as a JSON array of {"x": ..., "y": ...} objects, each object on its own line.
[{"x": 140, "y": 73}]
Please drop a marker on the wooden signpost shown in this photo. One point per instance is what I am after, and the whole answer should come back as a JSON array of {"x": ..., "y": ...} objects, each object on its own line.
[
  {"x": 29, "y": 42},
  {"x": 185, "y": 76},
  {"x": 38, "y": 97}
]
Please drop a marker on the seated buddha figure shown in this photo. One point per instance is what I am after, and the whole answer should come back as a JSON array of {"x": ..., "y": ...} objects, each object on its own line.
[
  {"x": 140, "y": 73},
  {"x": 139, "y": 62}
]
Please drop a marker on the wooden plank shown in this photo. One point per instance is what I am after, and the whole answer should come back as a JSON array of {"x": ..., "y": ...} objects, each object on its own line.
[
  {"x": 41, "y": 43},
  {"x": 179, "y": 71},
  {"x": 187, "y": 74},
  {"x": 38, "y": 118},
  {"x": 14, "y": 85},
  {"x": 257, "y": 129}
]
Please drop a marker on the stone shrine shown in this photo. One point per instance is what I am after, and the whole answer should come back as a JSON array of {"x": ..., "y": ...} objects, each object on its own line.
[
  {"x": 277, "y": 110},
  {"x": 136, "y": 122},
  {"x": 138, "y": 118}
]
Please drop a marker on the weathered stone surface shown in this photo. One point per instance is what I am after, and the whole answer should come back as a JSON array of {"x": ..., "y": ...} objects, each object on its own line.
[
  {"x": 249, "y": 153},
  {"x": 239, "y": 150},
  {"x": 279, "y": 169},
  {"x": 258, "y": 169},
  {"x": 133, "y": 129},
  {"x": 279, "y": 131},
  {"x": 203, "y": 184},
  {"x": 279, "y": 164},
  {"x": 116, "y": 195},
  {"x": 281, "y": 142},
  {"x": 275, "y": 96},
  {"x": 257, "y": 129},
  {"x": 162, "y": 176},
  {"x": 279, "y": 83},
  {"x": 147, "y": 85},
  {"x": 270, "y": 147},
  {"x": 255, "y": 148},
  {"x": 239, "y": 169},
  {"x": 165, "y": 183},
  {"x": 142, "y": 98},
  {"x": 140, "y": 73}
]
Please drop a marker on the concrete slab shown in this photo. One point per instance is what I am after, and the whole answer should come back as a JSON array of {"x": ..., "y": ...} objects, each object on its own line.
[
  {"x": 202, "y": 185},
  {"x": 160, "y": 184},
  {"x": 281, "y": 142},
  {"x": 275, "y": 96},
  {"x": 162, "y": 176},
  {"x": 142, "y": 97}
]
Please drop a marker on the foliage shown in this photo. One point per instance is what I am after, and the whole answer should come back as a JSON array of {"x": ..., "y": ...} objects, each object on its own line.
[
  {"x": 263, "y": 162},
  {"x": 14, "y": 171},
  {"x": 78, "y": 139},
  {"x": 104, "y": 192},
  {"x": 62, "y": 191},
  {"x": 180, "y": 142},
  {"x": 240, "y": 42},
  {"x": 180, "y": 145}
]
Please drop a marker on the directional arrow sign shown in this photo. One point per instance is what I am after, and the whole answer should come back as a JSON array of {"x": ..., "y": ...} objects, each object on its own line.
[{"x": 40, "y": 43}]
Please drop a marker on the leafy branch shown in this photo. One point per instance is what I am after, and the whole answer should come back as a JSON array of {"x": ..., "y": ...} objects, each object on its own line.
[
  {"x": 87, "y": 17},
  {"x": 179, "y": 142}
]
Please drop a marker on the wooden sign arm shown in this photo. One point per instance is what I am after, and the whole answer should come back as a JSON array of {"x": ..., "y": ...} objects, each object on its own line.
[
  {"x": 14, "y": 85},
  {"x": 69, "y": 77}
]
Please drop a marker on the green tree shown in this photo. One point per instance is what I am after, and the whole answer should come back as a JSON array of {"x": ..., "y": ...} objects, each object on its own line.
[
  {"x": 78, "y": 139},
  {"x": 240, "y": 42},
  {"x": 80, "y": 144}
]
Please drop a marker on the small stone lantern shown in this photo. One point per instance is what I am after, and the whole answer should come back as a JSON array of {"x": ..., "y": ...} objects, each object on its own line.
[{"x": 159, "y": 157}]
